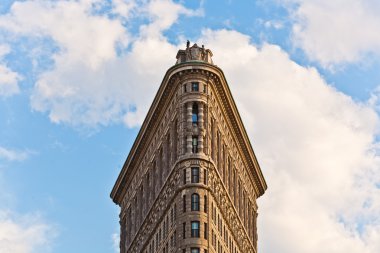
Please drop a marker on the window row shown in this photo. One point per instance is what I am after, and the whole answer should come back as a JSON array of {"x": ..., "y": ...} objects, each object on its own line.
[
  {"x": 223, "y": 232},
  {"x": 234, "y": 184},
  {"x": 163, "y": 232}
]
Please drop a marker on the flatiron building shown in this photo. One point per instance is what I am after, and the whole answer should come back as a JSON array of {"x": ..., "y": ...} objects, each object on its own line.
[{"x": 191, "y": 179}]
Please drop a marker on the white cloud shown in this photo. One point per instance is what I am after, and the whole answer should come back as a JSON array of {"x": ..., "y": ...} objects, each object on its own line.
[
  {"x": 84, "y": 38},
  {"x": 115, "y": 242},
  {"x": 8, "y": 78},
  {"x": 316, "y": 147},
  {"x": 276, "y": 24},
  {"x": 89, "y": 84},
  {"x": 163, "y": 14},
  {"x": 13, "y": 155},
  {"x": 335, "y": 32},
  {"x": 315, "y": 144},
  {"x": 25, "y": 234},
  {"x": 123, "y": 8}
]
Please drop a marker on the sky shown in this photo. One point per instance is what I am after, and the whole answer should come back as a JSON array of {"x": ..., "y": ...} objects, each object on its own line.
[{"x": 77, "y": 79}]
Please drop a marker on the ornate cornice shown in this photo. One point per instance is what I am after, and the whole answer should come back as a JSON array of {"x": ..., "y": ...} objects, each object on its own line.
[{"x": 167, "y": 88}]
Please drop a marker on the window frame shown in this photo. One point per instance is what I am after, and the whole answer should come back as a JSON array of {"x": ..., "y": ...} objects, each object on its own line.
[
  {"x": 195, "y": 232},
  {"x": 194, "y": 86},
  {"x": 195, "y": 176},
  {"x": 195, "y": 202},
  {"x": 195, "y": 114},
  {"x": 194, "y": 144}
]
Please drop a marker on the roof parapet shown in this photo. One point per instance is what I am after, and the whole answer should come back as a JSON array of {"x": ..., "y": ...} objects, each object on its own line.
[{"x": 194, "y": 53}]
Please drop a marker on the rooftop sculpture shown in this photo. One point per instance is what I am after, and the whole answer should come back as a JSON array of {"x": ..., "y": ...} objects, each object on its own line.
[{"x": 194, "y": 53}]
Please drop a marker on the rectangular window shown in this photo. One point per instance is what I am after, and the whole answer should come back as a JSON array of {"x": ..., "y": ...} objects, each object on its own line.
[
  {"x": 175, "y": 211},
  {"x": 195, "y": 116},
  {"x": 212, "y": 210},
  {"x": 184, "y": 176},
  {"x": 184, "y": 230},
  {"x": 205, "y": 231},
  {"x": 205, "y": 176},
  {"x": 195, "y": 175},
  {"x": 184, "y": 203},
  {"x": 194, "y": 202},
  {"x": 195, "y": 229},
  {"x": 195, "y": 144},
  {"x": 194, "y": 86},
  {"x": 205, "y": 204},
  {"x": 171, "y": 217}
]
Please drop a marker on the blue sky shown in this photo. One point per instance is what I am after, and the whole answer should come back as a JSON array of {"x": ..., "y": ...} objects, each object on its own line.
[{"x": 77, "y": 78}]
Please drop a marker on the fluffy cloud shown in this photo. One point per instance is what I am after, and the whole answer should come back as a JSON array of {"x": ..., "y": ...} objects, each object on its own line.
[
  {"x": 24, "y": 234},
  {"x": 334, "y": 32},
  {"x": 316, "y": 147},
  {"x": 13, "y": 155},
  {"x": 82, "y": 37},
  {"x": 8, "y": 78},
  {"x": 89, "y": 83}
]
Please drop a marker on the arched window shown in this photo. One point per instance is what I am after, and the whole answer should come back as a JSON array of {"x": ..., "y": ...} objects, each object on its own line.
[
  {"x": 195, "y": 114},
  {"x": 194, "y": 202}
]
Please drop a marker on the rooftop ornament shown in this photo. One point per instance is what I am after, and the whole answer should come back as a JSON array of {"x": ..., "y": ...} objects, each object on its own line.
[{"x": 194, "y": 53}]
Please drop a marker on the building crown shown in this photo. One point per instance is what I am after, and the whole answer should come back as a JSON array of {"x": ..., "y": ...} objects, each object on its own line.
[{"x": 194, "y": 53}]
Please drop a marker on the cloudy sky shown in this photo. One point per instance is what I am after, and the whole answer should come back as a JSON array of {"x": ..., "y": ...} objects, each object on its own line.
[{"x": 77, "y": 78}]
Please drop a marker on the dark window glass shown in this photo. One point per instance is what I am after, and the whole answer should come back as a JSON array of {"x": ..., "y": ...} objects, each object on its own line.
[
  {"x": 195, "y": 144},
  {"x": 194, "y": 116},
  {"x": 184, "y": 203},
  {"x": 184, "y": 176},
  {"x": 195, "y": 86},
  {"x": 205, "y": 204},
  {"x": 195, "y": 229},
  {"x": 194, "y": 202},
  {"x": 205, "y": 235},
  {"x": 195, "y": 175},
  {"x": 184, "y": 230},
  {"x": 184, "y": 88}
]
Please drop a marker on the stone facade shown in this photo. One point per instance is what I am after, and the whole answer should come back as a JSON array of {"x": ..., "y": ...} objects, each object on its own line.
[{"x": 191, "y": 179}]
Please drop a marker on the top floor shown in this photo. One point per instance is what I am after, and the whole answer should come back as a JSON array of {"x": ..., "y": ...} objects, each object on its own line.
[{"x": 194, "y": 53}]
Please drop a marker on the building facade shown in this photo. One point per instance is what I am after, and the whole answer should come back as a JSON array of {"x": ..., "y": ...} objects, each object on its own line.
[{"x": 191, "y": 179}]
